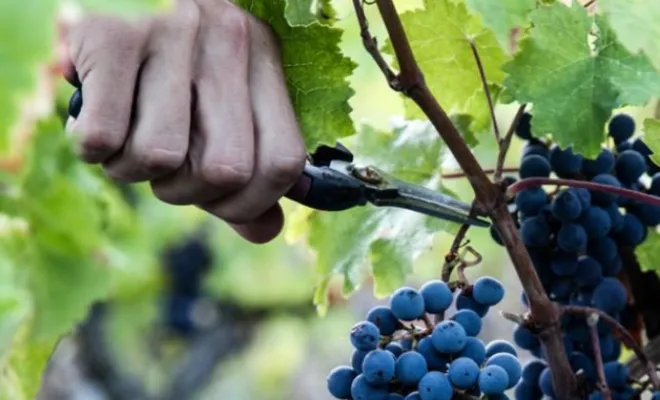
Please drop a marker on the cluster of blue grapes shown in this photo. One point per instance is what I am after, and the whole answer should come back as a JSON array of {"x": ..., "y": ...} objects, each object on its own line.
[
  {"x": 395, "y": 359},
  {"x": 185, "y": 265},
  {"x": 574, "y": 237}
]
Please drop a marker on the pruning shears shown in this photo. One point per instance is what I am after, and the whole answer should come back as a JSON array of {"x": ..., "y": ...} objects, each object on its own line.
[{"x": 332, "y": 182}]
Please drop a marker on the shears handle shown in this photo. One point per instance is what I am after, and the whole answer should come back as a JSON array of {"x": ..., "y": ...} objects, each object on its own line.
[{"x": 325, "y": 189}]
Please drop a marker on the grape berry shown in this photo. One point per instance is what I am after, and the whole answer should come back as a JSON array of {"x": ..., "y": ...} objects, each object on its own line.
[{"x": 395, "y": 361}]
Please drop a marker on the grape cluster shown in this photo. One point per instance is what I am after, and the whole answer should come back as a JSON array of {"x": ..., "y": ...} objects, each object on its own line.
[
  {"x": 185, "y": 265},
  {"x": 395, "y": 359},
  {"x": 574, "y": 237}
]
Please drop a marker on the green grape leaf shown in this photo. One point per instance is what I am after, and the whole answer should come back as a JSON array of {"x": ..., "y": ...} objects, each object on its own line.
[
  {"x": 28, "y": 31},
  {"x": 439, "y": 36},
  {"x": 305, "y": 12},
  {"x": 125, "y": 7},
  {"x": 636, "y": 25},
  {"x": 316, "y": 73},
  {"x": 652, "y": 138},
  {"x": 387, "y": 240},
  {"x": 562, "y": 74},
  {"x": 503, "y": 16},
  {"x": 648, "y": 253}
]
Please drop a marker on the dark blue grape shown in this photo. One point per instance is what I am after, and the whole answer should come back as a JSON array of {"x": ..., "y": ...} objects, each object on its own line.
[
  {"x": 621, "y": 127},
  {"x": 580, "y": 362},
  {"x": 596, "y": 222},
  {"x": 602, "y": 164},
  {"x": 410, "y": 368},
  {"x": 630, "y": 166},
  {"x": 435, "y": 386},
  {"x": 616, "y": 218},
  {"x": 395, "y": 396},
  {"x": 357, "y": 358},
  {"x": 395, "y": 348},
  {"x": 340, "y": 380},
  {"x": 510, "y": 364},
  {"x": 571, "y": 238},
  {"x": 563, "y": 264},
  {"x": 648, "y": 214},
  {"x": 655, "y": 395},
  {"x": 584, "y": 195},
  {"x": 463, "y": 301},
  {"x": 407, "y": 343},
  {"x": 654, "y": 187},
  {"x": 487, "y": 291},
  {"x": 545, "y": 383},
  {"x": 378, "y": 367},
  {"x": 365, "y": 336},
  {"x": 534, "y": 166},
  {"x": 493, "y": 380},
  {"x": 407, "y": 304},
  {"x": 565, "y": 163},
  {"x": 609, "y": 296},
  {"x": 527, "y": 391},
  {"x": 531, "y": 201},
  {"x": 474, "y": 349},
  {"x": 566, "y": 206},
  {"x": 469, "y": 320},
  {"x": 604, "y": 250},
  {"x": 413, "y": 396},
  {"x": 633, "y": 231},
  {"x": 524, "y": 127},
  {"x": 589, "y": 272},
  {"x": 362, "y": 390},
  {"x": 463, "y": 373},
  {"x": 604, "y": 198},
  {"x": 384, "y": 319},
  {"x": 616, "y": 374},
  {"x": 448, "y": 337},
  {"x": 524, "y": 338},
  {"x": 561, "y": 290},
  {"x": 179, "y": 313},
  {"x": 434, "y": 360},
  {"x": 437, "y": 296},
  {"x": 500, "y": 346},
  {"x": 538, "y": 149},
  {"x": 535, "y": 232},
  {"x": 532, "y": 371}
]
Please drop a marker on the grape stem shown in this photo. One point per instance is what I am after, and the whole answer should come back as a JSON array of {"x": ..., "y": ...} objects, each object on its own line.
[
  {"x": 592, "y": 322},
  {"x": 534, "y": 182},
  {"x": 505, "y": 143},
  {"x": 484, "y": 82},
  {"x": 452, "y": 256},
  {"x": 489, "y": 197},
  {"x": 623, "y": 334},
  {"x": 461, "y": 174}
]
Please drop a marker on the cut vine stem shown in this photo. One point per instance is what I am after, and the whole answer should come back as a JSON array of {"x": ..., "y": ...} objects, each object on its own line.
[
  {"x": 535, "y": 182},
  {"x": 489, "y": 198}
]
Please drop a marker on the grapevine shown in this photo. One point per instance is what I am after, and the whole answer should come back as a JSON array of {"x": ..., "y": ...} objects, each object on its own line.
[{"x": 570, "y": 186}]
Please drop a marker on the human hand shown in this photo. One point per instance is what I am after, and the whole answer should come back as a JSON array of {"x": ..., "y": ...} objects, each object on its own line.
[{"x": 212, "y": 124}]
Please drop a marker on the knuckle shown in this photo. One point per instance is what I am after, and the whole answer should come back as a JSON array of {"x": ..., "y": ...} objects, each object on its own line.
[
  {"x": 162, "y": 193},
  {"x": 98, "y": 144},
  {"x": 158, "y": 161},
  {"x": 226, "y": 176},
  {"x": 286, "y": 168},
  {"x": 236, "y": 27}
]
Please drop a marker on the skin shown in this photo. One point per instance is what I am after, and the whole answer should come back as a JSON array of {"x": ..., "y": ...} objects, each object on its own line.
[{"x": 213, "y": 124}]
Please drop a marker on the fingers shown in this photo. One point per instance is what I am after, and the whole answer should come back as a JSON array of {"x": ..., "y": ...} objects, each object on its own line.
[
  {"x": 263, "y": 229},
  {"x": 222, "y": 150},
  {"x": 280, "y": 154},
  {"x": 107, "y": 54},
  {"x": 158, "y": 142}
]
